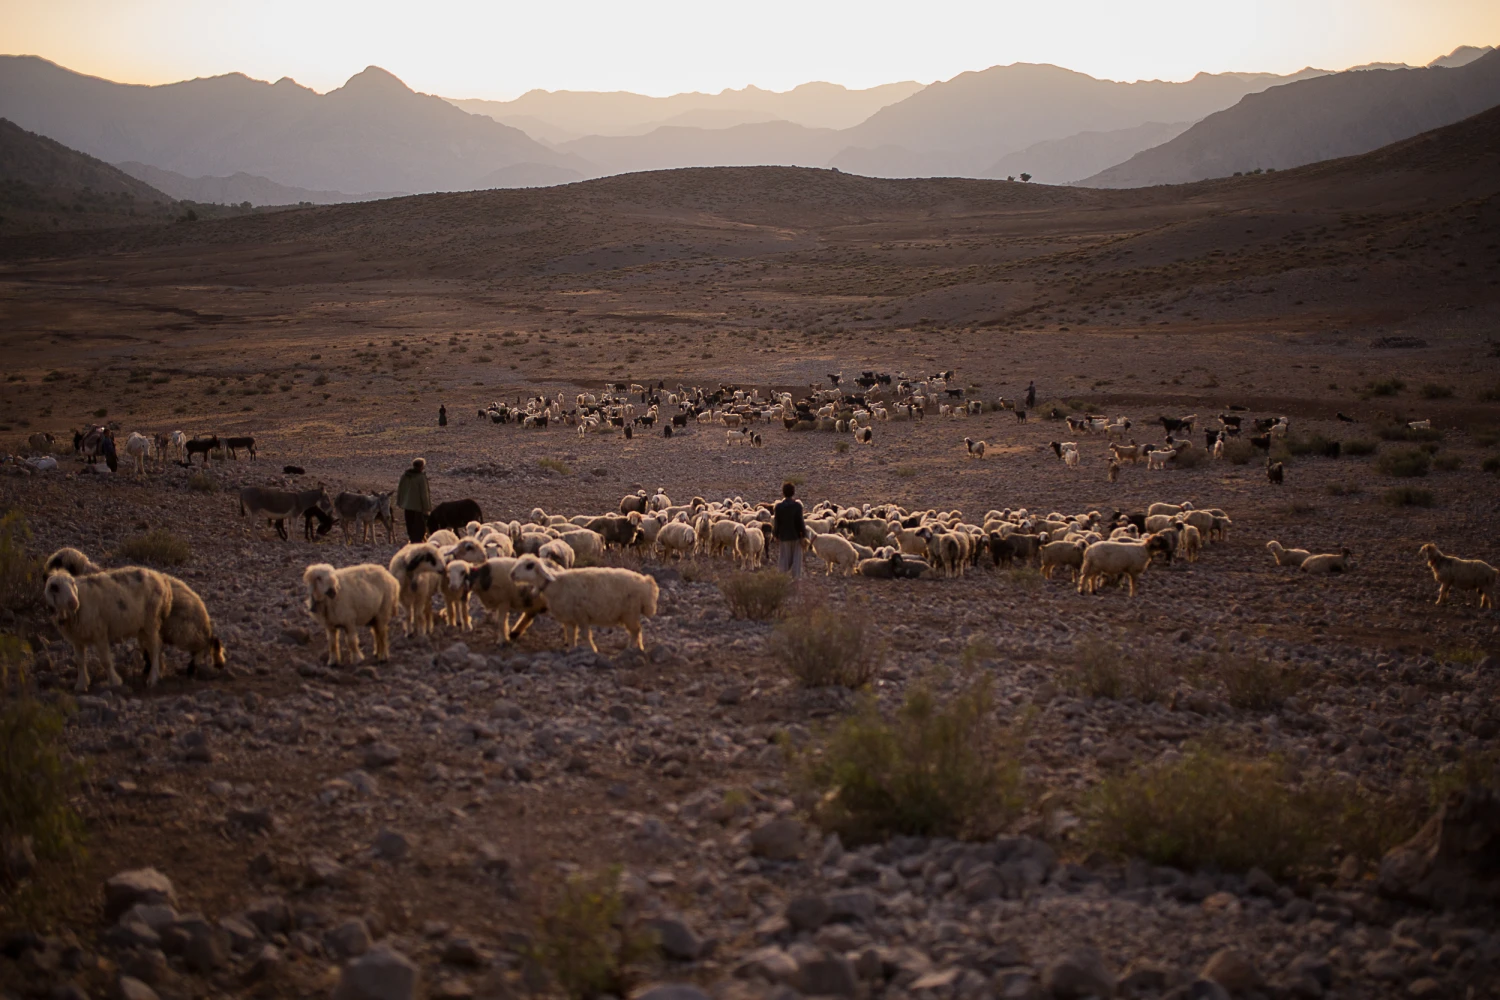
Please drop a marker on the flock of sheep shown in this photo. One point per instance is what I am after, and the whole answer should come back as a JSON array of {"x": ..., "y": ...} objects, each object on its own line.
[{"x": 529, "y": 569}]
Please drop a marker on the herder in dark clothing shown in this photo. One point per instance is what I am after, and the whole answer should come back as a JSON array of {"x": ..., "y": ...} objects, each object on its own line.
[
  {"x": 415, "y": 499},
  {"x": 1031, "y": 396},
  {"x": 790, "y": 530},
  {"x": 107, "y": 449},
  {"x": 442, "y": 416}
]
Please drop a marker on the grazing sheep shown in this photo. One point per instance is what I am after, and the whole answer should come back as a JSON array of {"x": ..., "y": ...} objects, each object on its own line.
[
  {"x": 1340, "y": 562},
  {"x": 586, "y": 544},
  {"x": 492, "y": 584},
  {"x": 1118, "y": 558},
  {"x": 584, "y": 599},
  {"x": 1061, "y": 554},
  {"x": 1286, "y": 557},
  {"x": 1275, "y": 472},
  {"x": 344, "y": 599},
  {"x": 678, "y": 538},
  {"x": 557, "y": 551},
  {"x": 1158, "y": 459},
  {"x": 418, "y": 568},
  {"x": 70, "y": 561},
  {"x": 107, "y": 607},
  {"x": 1464, "y": 574},
  {"x": 1191, "y": 541},
  {"x": 976, "y": 448},
  {"x": 835, "y": 550}
]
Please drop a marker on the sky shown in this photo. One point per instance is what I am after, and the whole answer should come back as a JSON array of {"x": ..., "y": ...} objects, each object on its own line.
[{"x": 500, "y": 49}]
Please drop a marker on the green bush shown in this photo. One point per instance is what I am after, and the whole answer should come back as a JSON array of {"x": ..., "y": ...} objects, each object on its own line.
[
  {"x": 1238, "y": 451},
  {"x": 1404, "y": 463},
  {"x": 1447, "y": 462},
  {"x": 1434, "y": 391},
  {"x": 1407, "y": 496},
  {"x": 757, "y": 596},
  {"x": 20, "y": 571},
  {"x": 37, "y": 781},
  {"x": 158, "y": 547},
  {"x": 822, "y": 648},
  {"x": 1360, "y": 447},
  {"x": 938, "y": 768},
  {"x": 589, "y": 941}
]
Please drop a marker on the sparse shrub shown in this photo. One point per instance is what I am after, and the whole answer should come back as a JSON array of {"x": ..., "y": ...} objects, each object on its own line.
[
  {"x": 938, "y": 768},
  {"x": 1344, "y": 489},
  {"x": 101, "y": 413},
  {"x": 821, "y": 648},
  {"x": 905, "y": 472},
  {"x": 322, "y": 379},
  {"x": 1447, "y": 462},
  {"x": 1407, "y": 496},
  {"x": 37, "y": 781},
  {"x": 1298, "y": 508},
  {"x": 976, "y": 651},
  {"x": 588, "y": 940},
  {"x": 20, "y": 571},
  {"x": 841, "y": 447},
  {"x": 1434, "y": 391},
  {"x": 1383, "y": 387},
  {"x": 1238, "y": 452},
  {"x": 1254, "y": 684},
  {"x": 159, "y": 547},
  {"x": 1397, "y": 430},
  {"x": 555, "y": 465},
  {"x": 1360, "y": 447},
  {"x": 757, "y": 596},
  {"x": 1314, "y": 444},
  {"x": 1191, "y": 458},
  {"x": 1404, "y": 463},
  {"x": 1105, "y": 670}
]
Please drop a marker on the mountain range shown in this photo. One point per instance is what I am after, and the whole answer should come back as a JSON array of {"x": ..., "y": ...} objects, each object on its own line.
[{"x": 233, "y": 139}]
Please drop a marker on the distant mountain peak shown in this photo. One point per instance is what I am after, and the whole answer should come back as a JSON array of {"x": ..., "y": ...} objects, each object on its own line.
[{"x": 373, "y": 81}]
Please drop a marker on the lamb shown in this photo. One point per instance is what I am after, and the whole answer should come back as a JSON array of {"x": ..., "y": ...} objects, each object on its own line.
[
  {"x": 1071, "y": 457},
  {"x": 344, "y": 599},
  {"x": 976, "y": 448},
  {"x": 1340, "y": 562},
  {"x": 1287, "y": 557},
  {"x": 418, "y": 568},
  {"x": 1464, "y": 574},
  {"x": 1116, "y": 558},
  {"x": 750, "y": 545},
  {"x": 835, "y": 550},
  {"x": 111, "y": 606},
  {"x": 1158, "y": 459},
  {"x": 492, "y": 584},
  {"x": 1191, "y": 542},
  {"x": 583, "y": 599}
]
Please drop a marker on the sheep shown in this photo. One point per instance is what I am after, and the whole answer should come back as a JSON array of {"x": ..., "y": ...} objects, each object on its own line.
[
  {"x": 1158, "y": 459},
  {"x": 418, "y": 567},
  {"x": 835, "y": 550},
  {"x": 871, "y": 531},
  {"x": 583, "y": 599},
  {"x": 584, "y": 543},
  {"x": 1071, "y": 457},
  {"x": 1340, "y": 562},
  {"x": 558, "y": 552},
  {"x": 1287, "y": 557},
  {"x": 1117, "y": 558},
  {"x": 71, "y": 561},
  {"x": 1275, "y": 472},
  {"x": 1464, "y": 574},
  {"x": 976, "y": 448},
  {"x": 1191, "y": 542},
  {"x": 490, "y": 581},
  {"x": 344, "y": 599},
  {"x": 1132, "y": 453},
  {"x": 750, "y": 545},
  {"x": 946, "y": 549},
  {"x": 1419, "y": 425},
  {"x": 678, "y": 537},
  {"x": 1065, "y": 553},
  {"x": 443, "y": 536},
  {"x": 106, "y": 607},
  {"x": 863, "y": 435}
]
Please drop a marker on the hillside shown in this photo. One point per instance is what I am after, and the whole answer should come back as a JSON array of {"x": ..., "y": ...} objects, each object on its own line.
[
  {"x": 778, "y": 142},
  {"x": 374, "y": 134},
  {"x": 1321, "y": 119},
  {"x": 1065, "y": 161},
  {"x": 236, "y": 188},
  {"x": 44, "y": 184}
]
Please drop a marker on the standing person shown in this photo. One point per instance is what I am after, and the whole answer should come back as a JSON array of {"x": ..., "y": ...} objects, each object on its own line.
[
  {"x": 442, "y": 415},
  {"x": 415, "y": 499},
  {"x": 107, "y": 449},
  {"x": 790, "y": 531},
  {"x": 1031, "y": 396}
]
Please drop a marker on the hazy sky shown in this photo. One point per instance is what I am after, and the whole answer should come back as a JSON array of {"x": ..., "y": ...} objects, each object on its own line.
[{"x": 499, "y": 49}]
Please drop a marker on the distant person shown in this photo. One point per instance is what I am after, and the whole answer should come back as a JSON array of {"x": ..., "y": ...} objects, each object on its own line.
[
  {"x": 1031, "y": 396},
  {"x": 415, "y": 499},
  {"x": 790, "y": 530},
  {"x": 107, "y": 449},
  {"x": 442, "y": 416}
]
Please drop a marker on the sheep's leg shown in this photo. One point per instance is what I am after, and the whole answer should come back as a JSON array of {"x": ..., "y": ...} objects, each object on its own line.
[
  {"x": 107, "y": 657},
  {"x": 81, "y": 654},
  {"x": 638, "y": 633},
  {"x": 359, "y": 655},
  {"x": 332, "y": 632},
  {"x": 1442, "y": 592},
  {"x": 588, "y": 631},
  {"x": 150, "y": 643},
  {"x": 522, "y": 625},
  {"x": 1131, "y": 578},
  {"x": 380, "y": 628}
]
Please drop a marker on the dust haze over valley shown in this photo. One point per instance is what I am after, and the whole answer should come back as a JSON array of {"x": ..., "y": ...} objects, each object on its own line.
[{"x": 1145, "y": 755}]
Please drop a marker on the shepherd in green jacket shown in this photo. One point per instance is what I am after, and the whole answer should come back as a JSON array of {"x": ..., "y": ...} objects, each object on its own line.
[{"x": 415, "y": 499}]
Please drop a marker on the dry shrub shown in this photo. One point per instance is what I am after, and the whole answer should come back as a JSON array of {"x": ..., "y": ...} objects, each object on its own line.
[
  {"x": 938, "y": 768},
  {"x": 1447, "y": 462},
  {"x": 1238, "y": 451},
  {"x": 757, "y": 596},
  {"x": 20, "y": 571},
  {"x": 555, "y": 465},
  {"x": 158, "y": 547},
  {"x": 37, "y": 778},
  {"x": 1404, "y": 463},
  {"x": 1407, "y": 496},
  {"x": 588, "y": 940},
  {"x": 1190, "y": 458},
  {"x": 1433, "y": 390},
  {"x": 1104, "y": 670},
  {"x": 1251, "y": 683},
  {"x": 203, "y": 482},
  {"x": 1360, "y": 447},
  {"x": 1336, "y": 489},
  {"x": 822, "y": 648}
]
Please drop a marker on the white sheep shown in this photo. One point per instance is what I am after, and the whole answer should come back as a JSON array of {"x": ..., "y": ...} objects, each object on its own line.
[
  {"x": 1071, "y": 457},
  {"x": 1113, "y": 558},
  {"x": 107, "y": 607},
  {"x": 1067, "y": 554},
  {"x": 1452, "y": 573},
  {"x": 443, "y": 536},
  {"x": 836, "y": 551},
  {"x": 585, "y": 544},
  {"x": 1158, "y": 459},
  {"x": 1285, "y": 556},
  {"x": 584, "y": 599},
  {"x": 750, "y": 545},
  {"x": 559, "y": 552},
  {"x": 418, "y": 568},
  {"x": 344, "y": 599},
  {"x": 678, "y": 538},
  {"x": 1329, "y": 562},
  {"x": 1191, "y": 542}
]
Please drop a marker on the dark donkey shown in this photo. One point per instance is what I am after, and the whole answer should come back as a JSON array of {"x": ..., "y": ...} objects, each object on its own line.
[
  {"x": 237, "y": 444},
  {"x": 202, "y": 446},
  {"x": 277, "y": 506}
]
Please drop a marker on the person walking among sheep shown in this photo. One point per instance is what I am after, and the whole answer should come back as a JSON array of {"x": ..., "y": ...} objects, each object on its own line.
[
  {"x": 790, "y": 530},
  {"x": 1031, "y": 395},
  {"x": 415, "y": 499},
  {"x": 442, "y": 415}
]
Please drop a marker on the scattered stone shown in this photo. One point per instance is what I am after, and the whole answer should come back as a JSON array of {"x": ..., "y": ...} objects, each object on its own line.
[
  {"x": 391, "y": 845},
  {"x": 827, "y": 975},
  {"x": 349, "y": 939},
  {"x": 1078, "y": 974},
  {"x": 1232, "y": 969},
  {"x": 132, "y": 988},
  {"x": 779, "y": 840},
  {"x": 677, "y": 940},
  {"x": 807, "y": 913},
  {"x": 241, "y": 936},
  {"x": 252, "y": 820},
  {"x": 325, "y": 871},
  {"x": 381, "y": 974},
  {"x": 267, "y": 961},
  {"x": 143, "y": 885},
  {"x": 378, "y": 755},
  {"x": 464, "y": 951},
  {"x": 203, "y": 946},
  {"x": 671, "y": 991}
]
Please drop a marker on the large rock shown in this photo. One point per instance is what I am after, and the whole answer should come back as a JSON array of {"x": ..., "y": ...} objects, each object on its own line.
[
  {"x": 676, "y": 939},
  {"x": 1080, "y": 973},
  {"x": 827, "y": 975},
  {"x": 1232, "y": 969},
  {"x": 142, "y": 885},
  {"x": 778, "y": 840},
  {"x": 381, "y": 974},
  {"x": 1454, "y": 860},
  {"x": 671, "y": 991}
]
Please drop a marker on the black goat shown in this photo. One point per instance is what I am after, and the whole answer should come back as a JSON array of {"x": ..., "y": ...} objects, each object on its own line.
[{"x": 453, "y": 515}]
